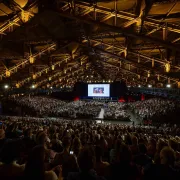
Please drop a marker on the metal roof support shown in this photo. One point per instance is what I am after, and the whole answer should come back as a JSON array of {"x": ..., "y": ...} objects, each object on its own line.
[{"x": 124, "y": 32}]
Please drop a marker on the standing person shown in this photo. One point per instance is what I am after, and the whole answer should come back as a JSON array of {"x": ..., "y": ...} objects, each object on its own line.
[
  {"x": 86, "y": 161},
  {"x": 102, "y": 168},
  {"x": 65, "y": 159},
  {"x": 35, "y": 166},
  {"x": 123, "y": 168},
  {"x": 166, "y": 169}
]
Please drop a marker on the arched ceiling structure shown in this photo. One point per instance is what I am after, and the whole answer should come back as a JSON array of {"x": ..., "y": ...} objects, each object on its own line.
[{"x": 60, "y": 42}]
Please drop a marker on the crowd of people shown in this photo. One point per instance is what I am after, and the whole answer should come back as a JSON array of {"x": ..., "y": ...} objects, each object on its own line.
[
  {"x": 52, "y": 149},
  {"x": 116, "y": 110},
  {"x": 153, "y": 107},
  {"x": 42, "y": 106},
  {"x": 50, "y": 107},
  {"x": 45, "y": 106}
]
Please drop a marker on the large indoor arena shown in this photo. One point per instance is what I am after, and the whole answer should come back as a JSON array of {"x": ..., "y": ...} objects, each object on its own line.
[{"x": 89, "y": 89}]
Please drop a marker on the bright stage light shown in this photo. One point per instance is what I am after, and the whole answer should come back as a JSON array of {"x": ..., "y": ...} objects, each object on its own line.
[
  {"x": 149, "y": 86},
  {"x": 6, "y": 86},
  {"x": 168, "y": 86},
  {"x": 33, "y": 86},
  {"x": 139, "y": 86}
]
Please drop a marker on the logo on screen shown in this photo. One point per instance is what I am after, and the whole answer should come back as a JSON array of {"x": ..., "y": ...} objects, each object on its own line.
[{"x": 98, "y": 90}]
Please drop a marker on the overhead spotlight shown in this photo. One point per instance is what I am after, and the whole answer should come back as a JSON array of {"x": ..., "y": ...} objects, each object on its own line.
[
  {"x": 149, "y": 86},
  {"x": 168, "y": 85},
  {"x": 31, "y": 59},
  {"x": 139, "y": 86},
  {"x": 6, "y": 86},
  {"x": 33, "y": 86},
  {"x": 51, "y": 87},
  {"x": 53, "y": 67}
]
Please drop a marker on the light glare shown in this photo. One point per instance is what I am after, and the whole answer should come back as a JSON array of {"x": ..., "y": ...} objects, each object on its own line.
[
  {"x": 6, "y": 86},
  {"x": 168, "y": 86},
  {"x": 33, "y": 86}
]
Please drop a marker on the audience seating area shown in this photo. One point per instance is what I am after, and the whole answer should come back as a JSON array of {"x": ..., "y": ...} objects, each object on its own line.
[
  {"x": 54, "y": 148},
  {"x": 153, "y": 107},
  {"x": 48, "y": 107}
]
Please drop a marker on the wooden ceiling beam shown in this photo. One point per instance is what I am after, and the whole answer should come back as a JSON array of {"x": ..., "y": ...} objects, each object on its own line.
[
  {"x": 142, "y": 67},
  {"x": 16, "y": 19},
  {"x": 124, "y": 15},
  {"x": 48, "y": 69},
  {"x": 123, "y": 31},
  {"x": 59, "y": 74},
  {"x": 130, "y": 52},
  {"x": 25, "y": 62}
]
